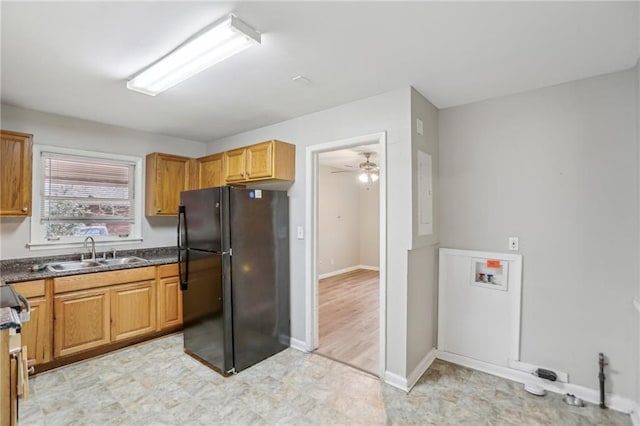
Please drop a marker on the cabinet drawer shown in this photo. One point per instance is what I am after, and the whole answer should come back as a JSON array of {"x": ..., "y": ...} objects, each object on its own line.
[
  {"x": 102, "y": 279},
  {"x": 170, "y": 270},
  {"x": 30, "y": 288}
]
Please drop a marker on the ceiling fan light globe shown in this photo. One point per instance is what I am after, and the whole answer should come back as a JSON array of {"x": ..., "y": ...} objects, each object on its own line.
[
  {"x": 374, "y": 177},
  {"x": 363, "y": 177}
]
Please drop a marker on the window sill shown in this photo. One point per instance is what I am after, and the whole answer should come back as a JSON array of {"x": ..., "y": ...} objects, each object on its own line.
[{"x": 53, "y": 245}]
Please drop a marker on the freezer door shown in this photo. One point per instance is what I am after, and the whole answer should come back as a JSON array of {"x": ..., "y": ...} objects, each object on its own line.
[
  {"x": 260, "y": 274},
  {"x": 207, "y": 310},
  {"x": 205, "y": 219}
]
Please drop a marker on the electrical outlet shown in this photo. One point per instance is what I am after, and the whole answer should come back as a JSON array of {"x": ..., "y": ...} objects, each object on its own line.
[{"x": 513, "y": 243}]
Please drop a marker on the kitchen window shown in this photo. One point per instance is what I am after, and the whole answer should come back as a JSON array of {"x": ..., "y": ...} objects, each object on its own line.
[{"x": 81, "y": 193}]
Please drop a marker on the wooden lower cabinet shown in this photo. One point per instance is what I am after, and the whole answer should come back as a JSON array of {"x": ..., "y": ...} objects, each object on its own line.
[
  {"x": 133, "y": 310},
  {"x": 36, "y": 334},
  {"x": 169, "y": 303},
  {"x": 169, "y": 297},
  {"x": 87, "y": 313},
  {"x": 81, "y": 321}
]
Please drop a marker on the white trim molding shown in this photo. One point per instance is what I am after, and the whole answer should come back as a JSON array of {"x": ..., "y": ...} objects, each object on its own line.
[
  {"x": 338, "y": 272},
  {"x": 299, "y": 345},
  {"x": 421, "y": 368},
  {"x": 347, "y": 269},
  {"x": 614, "y": 402},
  {"x": 635, "y": 415},
  {"x": 369, "y": 267},
  {"x": 37, "y": 239},
  {"x": 407, "y": 383},
  {"x": 396, "y": 380},
  {"x": 311, "y": 248},
  {"x": 530, "y": 368}
]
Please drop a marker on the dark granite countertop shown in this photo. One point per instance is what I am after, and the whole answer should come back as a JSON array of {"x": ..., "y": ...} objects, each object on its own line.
[{"x": 16, "y": 270}]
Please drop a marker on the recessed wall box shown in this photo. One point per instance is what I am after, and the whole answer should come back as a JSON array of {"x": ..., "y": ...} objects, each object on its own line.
[{"x": 490, "y": 273}]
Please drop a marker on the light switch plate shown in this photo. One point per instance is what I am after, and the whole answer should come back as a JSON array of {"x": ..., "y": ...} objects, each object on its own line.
[
  {"x": 300, "y": 233},
  {"x": 513, "y": 243}
]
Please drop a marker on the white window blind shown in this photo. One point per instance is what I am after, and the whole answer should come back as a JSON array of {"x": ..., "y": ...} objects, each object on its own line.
[{"x": 86, "y": 196}]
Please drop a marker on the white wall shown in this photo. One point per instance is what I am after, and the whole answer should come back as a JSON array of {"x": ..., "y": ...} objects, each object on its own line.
[
  {"x": 348, "y": 221},
  {"x": 369, "y": 198},
  {"x": 338, "y": 220},
  {"x": 57, "y": 130},
  {"x": 387, "y": 112},
  {"x": 421, "y": 295},
  {"x": 556, "y": 167},
  {"x": 637, "y": 321}
]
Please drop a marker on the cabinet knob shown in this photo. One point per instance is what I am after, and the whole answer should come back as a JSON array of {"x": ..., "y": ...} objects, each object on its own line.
[
  {"x": 24, "y": 209},
  {"x": 242, "y": 174},
  {"x": 158, "y": 210}
]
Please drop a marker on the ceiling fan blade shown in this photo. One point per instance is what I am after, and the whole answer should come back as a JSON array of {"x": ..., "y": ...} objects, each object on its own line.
[{"x": 344, "y": 171}]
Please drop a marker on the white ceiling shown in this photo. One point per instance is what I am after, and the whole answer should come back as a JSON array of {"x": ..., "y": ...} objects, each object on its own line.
[
  {"x": 73, "y": 58},
  {"x": 350, "y": 158}
]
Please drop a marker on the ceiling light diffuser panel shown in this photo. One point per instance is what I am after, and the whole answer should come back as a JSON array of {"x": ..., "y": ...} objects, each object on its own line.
[{"x": 212, "y": 45}]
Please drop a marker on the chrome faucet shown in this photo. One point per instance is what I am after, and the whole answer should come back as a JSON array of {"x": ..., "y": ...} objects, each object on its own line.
[{"x": 93, "y": 248}]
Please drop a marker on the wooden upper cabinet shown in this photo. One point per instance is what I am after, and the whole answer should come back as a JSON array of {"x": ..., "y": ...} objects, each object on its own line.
[
  {"x": 271, "y": 160},
  {"x": 260, "y": 160},
  {"x": 166, "y": 176},
  {"x": 209, "y": 171},
  {"x": 234, "y": 165},
  {"x": 15, "y": 173}
]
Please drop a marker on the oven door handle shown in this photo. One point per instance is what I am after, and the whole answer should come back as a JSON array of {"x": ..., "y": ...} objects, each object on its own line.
[{"x": 25, "y": 314}]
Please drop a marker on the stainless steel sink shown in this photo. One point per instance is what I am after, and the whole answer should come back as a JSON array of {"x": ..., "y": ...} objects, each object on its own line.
[
  {"x": 85, "y": 264},
  {"x": 122, "y": 261},
  {"x": 72, "y": 266}
]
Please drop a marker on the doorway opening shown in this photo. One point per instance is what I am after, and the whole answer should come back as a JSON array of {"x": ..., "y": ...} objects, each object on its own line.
[{"x": 346, "y": 249}]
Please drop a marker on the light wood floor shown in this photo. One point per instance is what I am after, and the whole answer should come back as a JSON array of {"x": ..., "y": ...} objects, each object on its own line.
[{"x": 348, "y": 319}]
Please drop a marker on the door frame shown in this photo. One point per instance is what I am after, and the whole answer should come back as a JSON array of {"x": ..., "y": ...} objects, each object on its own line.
[{"x": 311, "y": 224}]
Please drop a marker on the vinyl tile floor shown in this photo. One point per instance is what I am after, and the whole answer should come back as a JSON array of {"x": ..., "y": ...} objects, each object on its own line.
[{"x": 155, "y": 383}]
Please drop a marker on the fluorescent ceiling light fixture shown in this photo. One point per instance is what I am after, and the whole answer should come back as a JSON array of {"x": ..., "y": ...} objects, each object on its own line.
[{"x": 210, "y": 46}]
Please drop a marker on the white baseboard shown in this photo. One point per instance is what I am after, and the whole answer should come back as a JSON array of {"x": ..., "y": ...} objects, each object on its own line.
[
  {"x": 300, "y": 345},
  {"x": 347, "y": 269},
  {"x": 614, "y": 402},
  {"x": 530, "y": 368},
  {"x": 635, "y": 415},
  {"x": 407, "y": 383},
  {"x": 338, "y": 272},
  {"x": 369, "y": 267},
  {"x": 423, "y": 366},
  {"x": 396, "y": 381}
]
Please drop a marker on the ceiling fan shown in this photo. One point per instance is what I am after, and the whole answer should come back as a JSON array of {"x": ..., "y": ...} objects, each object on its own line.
[{"x": 369, "y": 171}]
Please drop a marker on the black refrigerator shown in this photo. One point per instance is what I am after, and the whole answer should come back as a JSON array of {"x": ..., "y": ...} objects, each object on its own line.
[{"x": 233, "y": 254}]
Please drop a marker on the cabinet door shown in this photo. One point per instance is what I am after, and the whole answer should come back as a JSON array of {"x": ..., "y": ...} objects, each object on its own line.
[
  {"x": 35, "y": 333},
  {"x": 169, "y": 303},
  {"x": 81, "y": 321},
  {"x": 15, "y": 174},
  {"x": 210, "y": 172},
  {"x": 260, "y": 160},
  {"x": 234, "y": 165},
  {"x": 167, "y": 176},
  {"x": 133, "y": 310}
]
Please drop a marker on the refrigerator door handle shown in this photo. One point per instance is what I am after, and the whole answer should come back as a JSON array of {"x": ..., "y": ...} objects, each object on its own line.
[
  {"x": 183, "y": 253},
  {"x": 181, "y": 227}
]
